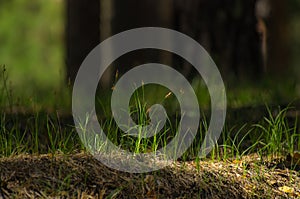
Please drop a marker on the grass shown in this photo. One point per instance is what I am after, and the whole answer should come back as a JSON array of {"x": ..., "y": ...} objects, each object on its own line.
[
  {"x": 42, "y": 156},
  {"x": 256, "y": 158},
  {"x": 270, "y": 141},
  {"x": 279, "y": 136}
]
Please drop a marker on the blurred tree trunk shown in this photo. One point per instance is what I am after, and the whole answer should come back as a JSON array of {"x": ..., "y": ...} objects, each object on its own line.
[
  {"x": 131, "y": 14},
  {"x": 247, "y": 58},
  {"x": 227, "y": 30},
  {"x": 166, "y": 15},
  {"x": 278, "y": 61},
  {"x": 106, "y": 17},
  {"x": 83, "y": 32}
]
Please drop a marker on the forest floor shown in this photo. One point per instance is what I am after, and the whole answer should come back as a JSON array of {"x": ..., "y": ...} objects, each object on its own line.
[
  {"x": 81, "y": 176},
  {"x": 28, "y": 169}
]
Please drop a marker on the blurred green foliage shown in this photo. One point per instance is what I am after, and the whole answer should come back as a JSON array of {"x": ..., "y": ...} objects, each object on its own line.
[
  {"x": 32, "y": 49},
  {"x": 31, "y": 44}
]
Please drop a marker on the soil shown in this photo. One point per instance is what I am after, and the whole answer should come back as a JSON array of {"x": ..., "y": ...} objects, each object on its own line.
[{"x": 82, "y": 176}]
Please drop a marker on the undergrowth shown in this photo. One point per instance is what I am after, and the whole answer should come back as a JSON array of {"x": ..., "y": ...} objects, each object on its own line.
[{"x": 40, "y": 132}]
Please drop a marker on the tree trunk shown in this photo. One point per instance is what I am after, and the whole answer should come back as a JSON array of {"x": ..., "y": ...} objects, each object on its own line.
[
  {"x": 131, "y": 14},
  {"x": 106, "y": 17},
  {"x": 83, "y": 33},
  {"x": 278, "y": 58}
]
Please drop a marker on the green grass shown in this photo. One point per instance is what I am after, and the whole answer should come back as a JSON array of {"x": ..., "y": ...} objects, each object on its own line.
[
  {"x": 51, "y": 135},
  {"x": 32, "y": 79},
  {"x": 279, "y": 136},
  {"x": 45, "y": 133}
]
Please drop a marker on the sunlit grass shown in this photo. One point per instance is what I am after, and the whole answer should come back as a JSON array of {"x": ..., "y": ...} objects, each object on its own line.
[{"x": 44, "y": 133}]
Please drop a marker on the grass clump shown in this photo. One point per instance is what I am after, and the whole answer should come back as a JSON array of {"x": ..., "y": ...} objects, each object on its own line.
[{"x": 248, "y": 156}]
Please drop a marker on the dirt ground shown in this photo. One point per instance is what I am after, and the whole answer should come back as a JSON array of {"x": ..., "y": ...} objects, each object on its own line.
[{"x": 82, "y": 176}]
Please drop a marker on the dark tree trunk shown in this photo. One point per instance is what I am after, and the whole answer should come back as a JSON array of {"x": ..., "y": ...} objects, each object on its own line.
[
  {"x": 131, "y": 14},
  {"x": 227, "y": 30},
  {"x": 83, "y": 32},
  {"x": 278, "y": 63}
]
